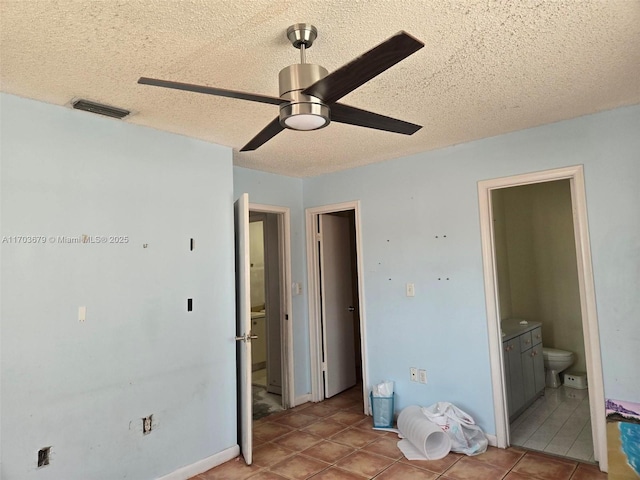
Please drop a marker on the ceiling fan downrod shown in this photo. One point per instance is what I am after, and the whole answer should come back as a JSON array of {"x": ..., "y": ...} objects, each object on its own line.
[
  {"x": 302, "y": 36},
  {"x": 304, "y": 112}
]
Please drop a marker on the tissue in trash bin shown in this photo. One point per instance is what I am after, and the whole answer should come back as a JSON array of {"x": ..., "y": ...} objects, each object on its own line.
[{"x": 384, "y": 389}]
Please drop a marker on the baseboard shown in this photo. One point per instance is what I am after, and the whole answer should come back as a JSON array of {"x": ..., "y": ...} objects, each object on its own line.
[
  {"x": 302, "y": 399},
  {"x": 493, "y": 440},
  {"x": 203, "y": 465}
]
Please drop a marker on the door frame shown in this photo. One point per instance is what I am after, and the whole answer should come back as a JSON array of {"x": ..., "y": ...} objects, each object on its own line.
[
  {"x": 575, "y": 175},
  {"x": 315, "y": 315},
  {"x": 286, "y": 332}
]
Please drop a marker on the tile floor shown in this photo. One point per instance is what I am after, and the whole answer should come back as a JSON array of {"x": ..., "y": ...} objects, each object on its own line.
[
  {"x": 558, "y": 423},
  {"x": 333, "y": 440},
  {"x": 259, "y": 377}
]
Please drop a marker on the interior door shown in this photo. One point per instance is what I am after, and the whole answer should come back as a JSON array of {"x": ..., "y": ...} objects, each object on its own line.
[
  {"x": 243, "y": 326},
  {"x": 337, "y": 308}
]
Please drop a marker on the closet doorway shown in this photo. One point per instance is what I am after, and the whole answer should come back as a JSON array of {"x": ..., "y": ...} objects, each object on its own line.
[{"x": 336, "y": 306}]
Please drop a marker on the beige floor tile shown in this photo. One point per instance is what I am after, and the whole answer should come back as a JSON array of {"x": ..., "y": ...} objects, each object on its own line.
[
  {"x": 588, "y": 472},
  {"x": 234, "y": 469},
  {"x": 355, "y": 437},
  {"x": 265, "y": 475},
  {"x": 298, "y": 440},
  {"x": 385, "y": 446},
  {"x": 335, "y": 473},
  {"x": 499, "y": 457},
  {"x": 270, "y": 453},
  {"x": 327, "y": 451},
  {"x": 544, "y": 467},
  {"x": 468, "y": 468},
  {"x": 364, "y": 463},
  {"x": 298, "y": 467},
  {"x": 319, "y": 410},
  {"x": 297, "y": 420},
  {"x": 403, "y": 471},
  {"x": 270, "y": 431},
  {"x": 437, "y": 466},
  {"x": 347, "y": 417},
  {"x": 325, "y": 428}
]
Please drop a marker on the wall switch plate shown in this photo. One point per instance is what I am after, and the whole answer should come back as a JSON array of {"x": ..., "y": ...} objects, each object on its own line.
[
  {"x": 411, "y": 290},
  {"x": 422, "y": 376},
  {"x": 82, "y": 314},
  {"x": 413, "y": 372}
]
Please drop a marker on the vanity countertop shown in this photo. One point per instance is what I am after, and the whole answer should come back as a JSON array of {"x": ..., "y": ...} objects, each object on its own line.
[{"x": 512, "y": 327}]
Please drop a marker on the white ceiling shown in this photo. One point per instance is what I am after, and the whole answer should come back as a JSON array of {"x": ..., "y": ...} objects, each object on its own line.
[{"x": 487, "y": 67}]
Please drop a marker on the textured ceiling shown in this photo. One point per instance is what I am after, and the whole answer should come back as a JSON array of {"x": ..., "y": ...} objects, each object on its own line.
[{"x": 487, "y": 67}]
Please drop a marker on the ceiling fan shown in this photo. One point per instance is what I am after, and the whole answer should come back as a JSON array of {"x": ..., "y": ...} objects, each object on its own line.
[{"x": 309, "y": 94}]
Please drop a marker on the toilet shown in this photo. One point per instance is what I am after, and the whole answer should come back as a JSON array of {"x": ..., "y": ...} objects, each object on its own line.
[{"x": 555, "y": 361}]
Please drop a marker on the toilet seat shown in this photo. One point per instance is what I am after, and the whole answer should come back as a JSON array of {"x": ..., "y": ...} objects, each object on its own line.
[{"x": 555, "y": 353}]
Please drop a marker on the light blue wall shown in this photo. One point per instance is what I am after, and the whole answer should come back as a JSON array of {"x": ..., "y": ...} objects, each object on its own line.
[
  {"x": 407, "y": 203},
  {"x": 281, "y": 191},
  {"x": 83, "y": 388}
]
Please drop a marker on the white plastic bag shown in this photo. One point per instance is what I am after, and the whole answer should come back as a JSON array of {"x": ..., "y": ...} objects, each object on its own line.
[{"x": 466, "y": 437}]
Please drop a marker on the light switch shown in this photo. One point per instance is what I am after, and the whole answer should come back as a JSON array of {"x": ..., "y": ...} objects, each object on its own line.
[
  {"x": 82, "y": 314},
  {"x": 411, "y": 291}
]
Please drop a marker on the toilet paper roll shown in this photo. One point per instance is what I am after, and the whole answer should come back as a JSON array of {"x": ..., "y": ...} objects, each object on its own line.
[{"x": 423, "y": 439}]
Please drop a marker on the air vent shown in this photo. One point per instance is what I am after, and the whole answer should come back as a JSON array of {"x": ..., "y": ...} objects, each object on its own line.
[{"x": 100, "y": 109}]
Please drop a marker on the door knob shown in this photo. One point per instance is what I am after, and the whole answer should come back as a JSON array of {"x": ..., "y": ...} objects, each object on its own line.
[{"x": 352, "y": 309}]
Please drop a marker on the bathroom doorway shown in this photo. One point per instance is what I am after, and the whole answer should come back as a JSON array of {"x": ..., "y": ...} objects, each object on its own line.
[
  {"x": 511, "y": 275},
  {"x": 270, "y": 307},
  {"x": 534, "y": 245}
]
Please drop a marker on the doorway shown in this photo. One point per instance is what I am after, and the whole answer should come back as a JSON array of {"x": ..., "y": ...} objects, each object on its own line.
[
  {"x": 336, "y": 314},
  {"x": 495, "y": 305},
  {"x": 270, "y": 306}
]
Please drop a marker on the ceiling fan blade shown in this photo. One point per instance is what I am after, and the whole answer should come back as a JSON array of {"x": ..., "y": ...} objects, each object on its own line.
[
  {"x": 362, "y": 69},
  {"x": 342, "y": 113},
  {"x": 266, "y": 134},
  {"x": 253, "y": 97}
]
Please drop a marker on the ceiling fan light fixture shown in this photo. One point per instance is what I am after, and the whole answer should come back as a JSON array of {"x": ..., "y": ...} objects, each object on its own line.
[{"x": 304, "y": 116}]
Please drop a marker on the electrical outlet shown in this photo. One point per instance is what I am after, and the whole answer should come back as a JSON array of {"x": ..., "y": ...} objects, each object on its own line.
[
  {"x": 413, "y": 371},
  {"x": 422, "y": 376}
]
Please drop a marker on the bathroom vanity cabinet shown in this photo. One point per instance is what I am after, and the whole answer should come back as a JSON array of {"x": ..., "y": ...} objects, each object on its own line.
[{"x": 523, "y": 364}]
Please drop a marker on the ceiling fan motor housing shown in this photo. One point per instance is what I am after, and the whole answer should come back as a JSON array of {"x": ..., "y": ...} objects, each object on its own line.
[{"x": 292, "y": 80}]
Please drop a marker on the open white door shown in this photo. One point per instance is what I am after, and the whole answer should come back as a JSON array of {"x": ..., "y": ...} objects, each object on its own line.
[
  {"x": 337, "y": 307},
  {"x": 243, "y": 326}
]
